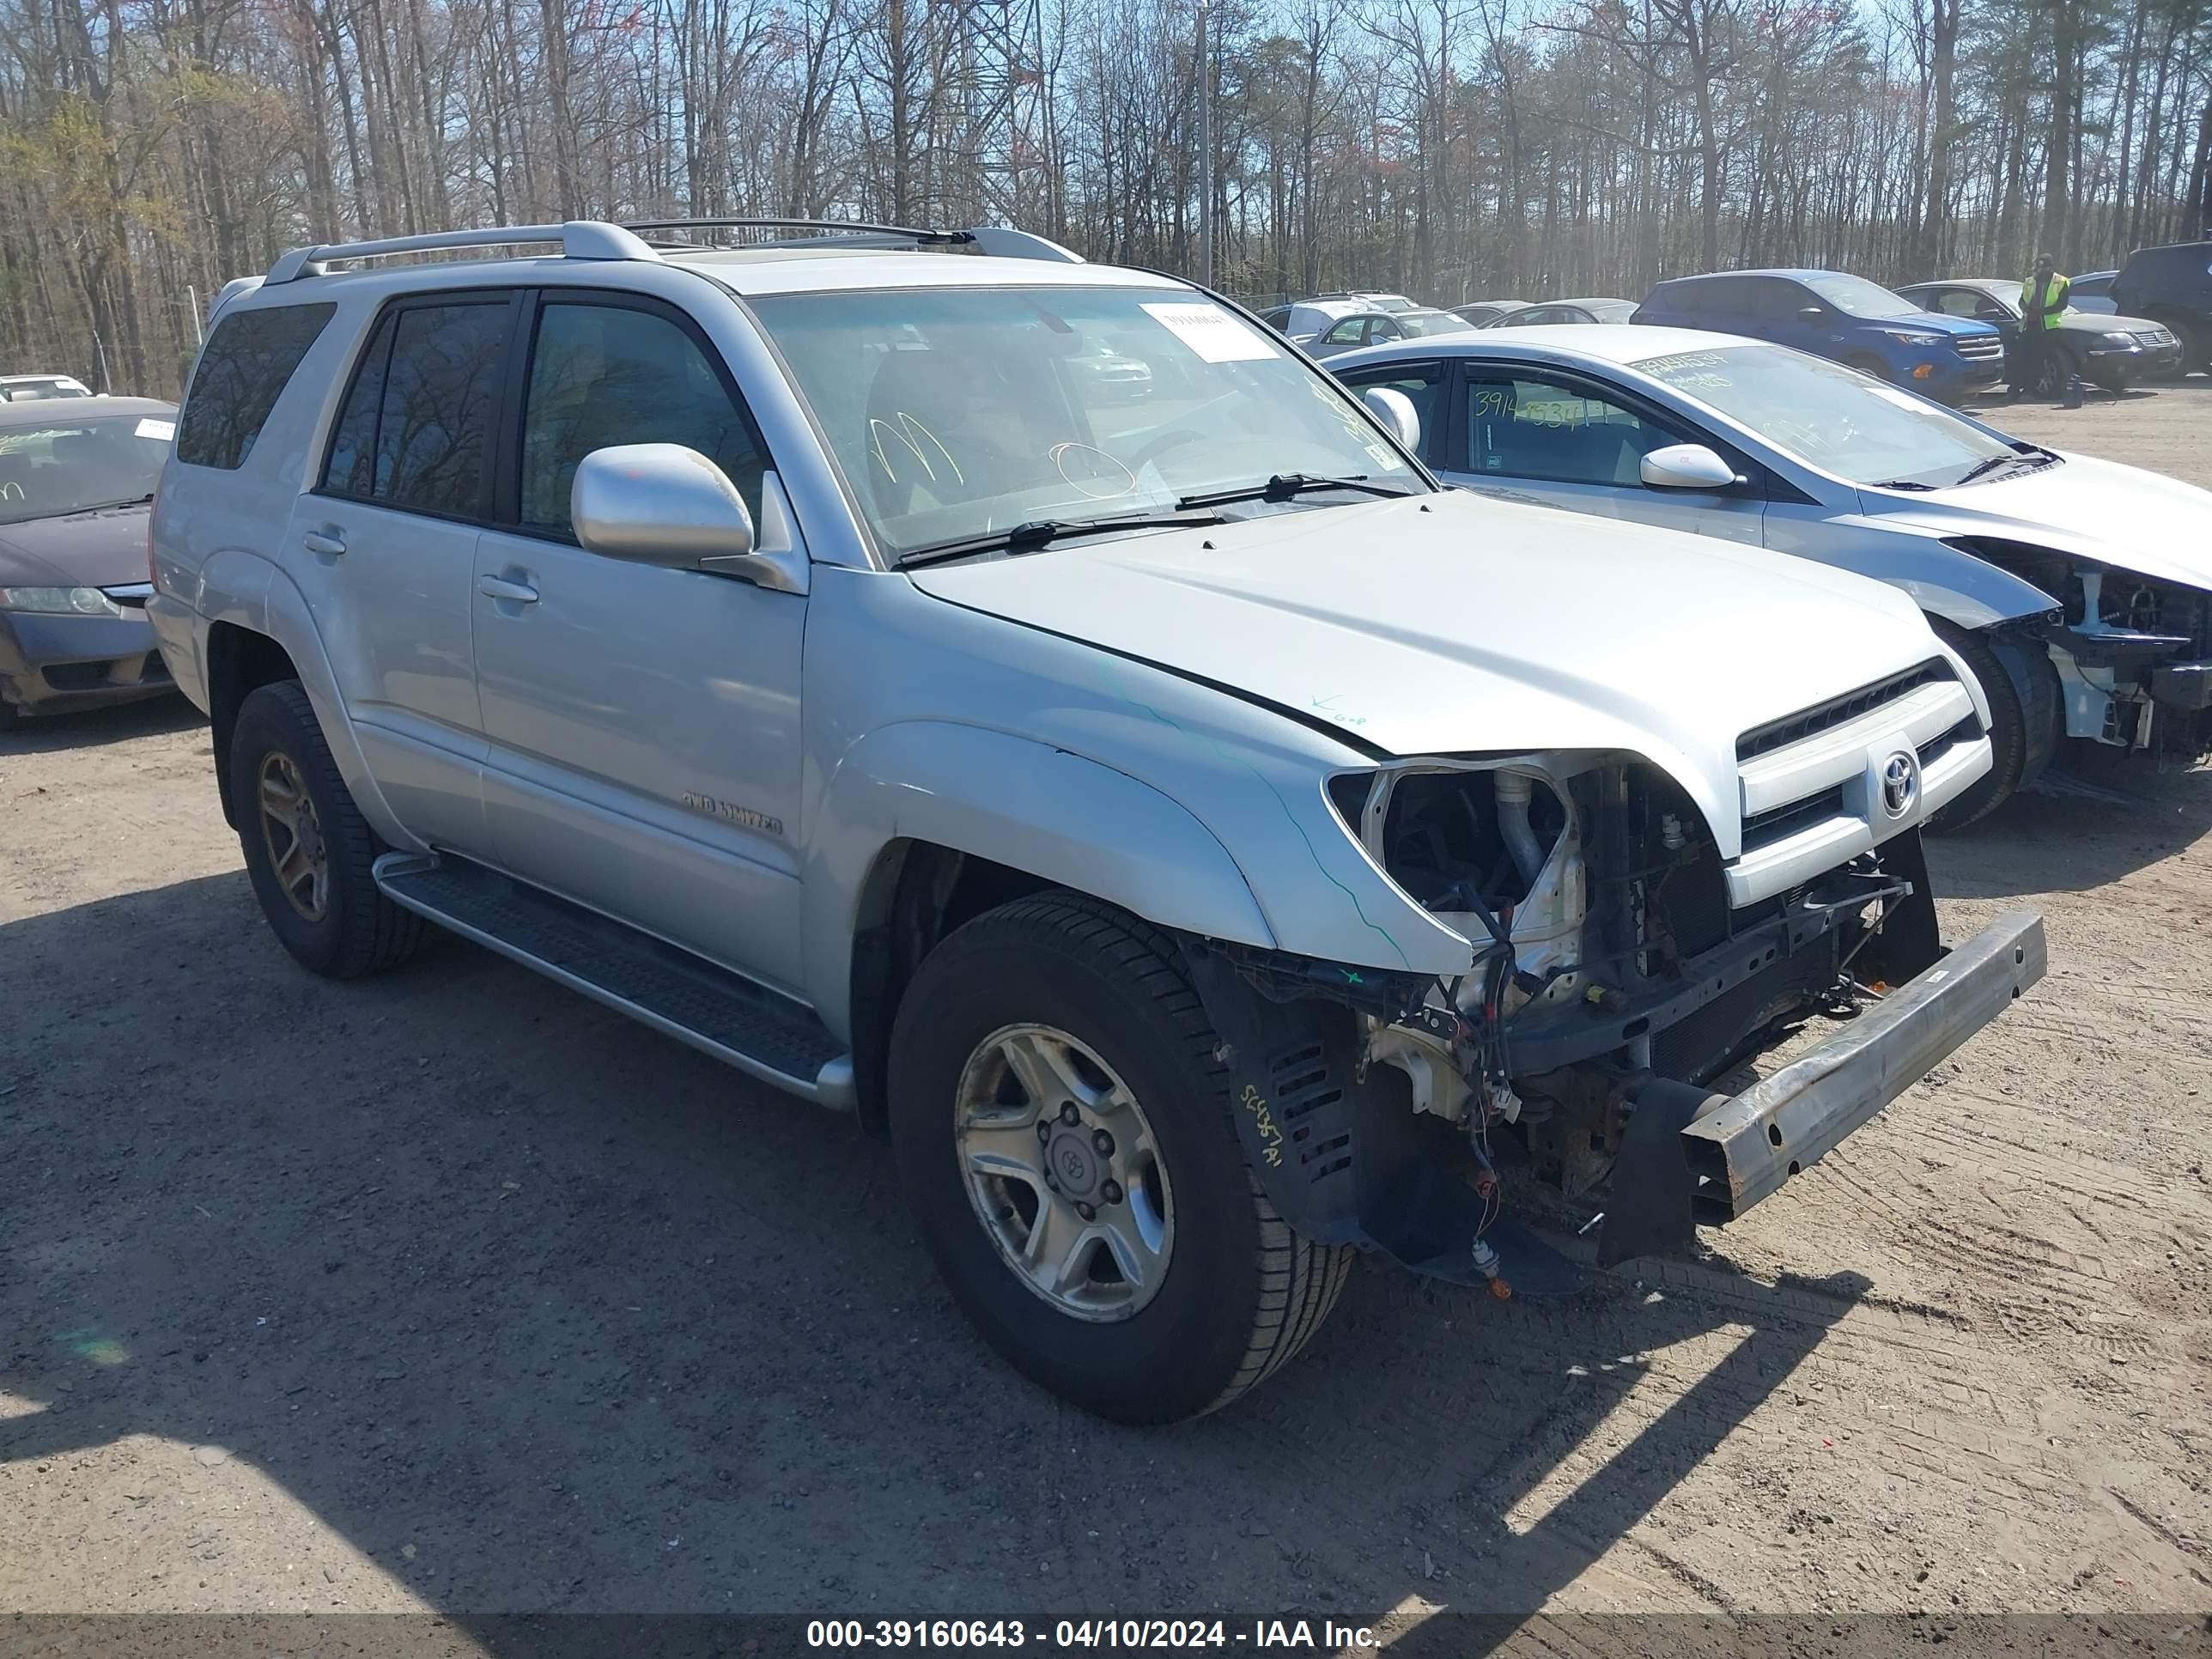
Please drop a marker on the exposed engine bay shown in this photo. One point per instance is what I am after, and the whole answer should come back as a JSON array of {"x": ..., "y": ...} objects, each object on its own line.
[
  {"x": 1610, "y": 980},
  {"x": 2134, "y": 654}
]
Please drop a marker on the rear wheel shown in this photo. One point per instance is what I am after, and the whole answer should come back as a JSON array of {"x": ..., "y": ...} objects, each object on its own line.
[
  {"x": 2019, "y": 746},
  {"x": 307, "y": 847},
  {"x": 1063, "y": 1132}
]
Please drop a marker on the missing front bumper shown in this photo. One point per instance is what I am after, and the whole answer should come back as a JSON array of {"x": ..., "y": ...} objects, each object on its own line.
[{"x": 1744, "y": 1148}]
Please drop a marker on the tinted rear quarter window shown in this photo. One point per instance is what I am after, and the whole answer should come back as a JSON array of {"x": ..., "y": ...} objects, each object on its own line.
[{"x": 249, "y": 359}]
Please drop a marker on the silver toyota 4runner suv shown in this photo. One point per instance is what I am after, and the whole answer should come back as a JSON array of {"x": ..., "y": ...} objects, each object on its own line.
[{"x": 1027, "y": 703}]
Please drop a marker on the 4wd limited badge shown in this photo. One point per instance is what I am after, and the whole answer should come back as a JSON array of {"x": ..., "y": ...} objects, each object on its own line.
[{"x": 733, "y": 813}]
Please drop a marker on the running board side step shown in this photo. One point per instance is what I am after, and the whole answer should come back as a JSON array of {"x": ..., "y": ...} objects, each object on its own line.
[{"x": 761, "y": 1032}]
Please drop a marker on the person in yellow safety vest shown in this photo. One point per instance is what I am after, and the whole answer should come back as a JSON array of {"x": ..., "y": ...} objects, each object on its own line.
[{"x": 2044, "y": 349}]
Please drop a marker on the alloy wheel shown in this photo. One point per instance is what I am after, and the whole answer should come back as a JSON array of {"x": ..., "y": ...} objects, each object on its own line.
[{"x": 1063, "y": 1171}]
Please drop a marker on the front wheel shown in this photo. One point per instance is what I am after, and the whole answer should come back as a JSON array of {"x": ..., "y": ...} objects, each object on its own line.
[
  {"x": 2022, "y": 729},
  {"x": 1063, "y": 1132}
]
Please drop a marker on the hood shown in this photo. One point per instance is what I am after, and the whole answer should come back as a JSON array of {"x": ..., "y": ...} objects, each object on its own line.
[
  {"x": 1451, "y": 623},
  {"x": 104, "y": 548},
  {"x": 2105, "y": 322},
  {"x": 1936, "y": 322},
  {"x": 2122, "y": 516}
]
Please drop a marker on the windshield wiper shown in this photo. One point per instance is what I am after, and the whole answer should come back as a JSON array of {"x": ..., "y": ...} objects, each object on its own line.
[
  {"x": 1284, "y": 485},
  {"x": 2030, "y": 452},
  {"x": 108, "y": 506},
  {"x": 1036, "y": 532}
]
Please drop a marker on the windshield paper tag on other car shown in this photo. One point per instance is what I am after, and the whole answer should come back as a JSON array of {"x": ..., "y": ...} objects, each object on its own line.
[
  {"x": 1212, "y": 332},
  {"x": 165, "y": 431}
]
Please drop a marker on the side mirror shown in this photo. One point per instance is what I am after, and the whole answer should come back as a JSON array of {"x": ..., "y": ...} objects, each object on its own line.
[
  {"x": 1686, "y": 466},
  {"x": 1396, "y": 411},
  {"x": 1811, "y": 314},
  {"x": 658, "y": 504}
]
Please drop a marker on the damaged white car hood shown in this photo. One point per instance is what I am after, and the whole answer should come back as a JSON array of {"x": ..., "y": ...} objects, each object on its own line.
[
  {"x": 1451, "y": 625},
  {"x": 2122, "y": 516}
]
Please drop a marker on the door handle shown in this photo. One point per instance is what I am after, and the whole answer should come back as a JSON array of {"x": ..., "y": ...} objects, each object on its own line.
[
  {"x": 498, "y": 587},
  {"x": 328, "y": 543}
]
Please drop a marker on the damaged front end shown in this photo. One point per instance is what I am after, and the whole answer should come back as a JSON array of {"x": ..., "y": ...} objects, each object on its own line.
[
  {"x": 1618, "y": 968},
  {"x": 2133, "y": 653}
]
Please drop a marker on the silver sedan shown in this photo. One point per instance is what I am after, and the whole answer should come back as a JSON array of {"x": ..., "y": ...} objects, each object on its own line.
[{"x": 2079, "y": 589}]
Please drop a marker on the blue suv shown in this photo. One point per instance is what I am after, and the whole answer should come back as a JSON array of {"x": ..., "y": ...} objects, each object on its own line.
[{"x": 1832, "y": 314}]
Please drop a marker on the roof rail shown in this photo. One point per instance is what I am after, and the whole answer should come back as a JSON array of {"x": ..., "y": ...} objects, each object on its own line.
[
  {"x": 846, "y": 230},
  {"x": 992, "y": 240},
  {"x": 580, "y": 239}
]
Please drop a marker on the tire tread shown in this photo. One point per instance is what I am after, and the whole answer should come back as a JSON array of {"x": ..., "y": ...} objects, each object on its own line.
[
  {"x": 1300, "y": 1280},
  {"x": 384, "y": 934}
]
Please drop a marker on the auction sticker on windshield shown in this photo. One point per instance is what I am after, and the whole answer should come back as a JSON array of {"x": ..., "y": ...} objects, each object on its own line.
[
  {"x": 165, "y": 431},
  {"x": 1212, "y": 332}
]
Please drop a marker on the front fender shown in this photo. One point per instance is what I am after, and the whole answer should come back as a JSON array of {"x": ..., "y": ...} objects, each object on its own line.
[
  {"x": 1018, "y": 802},
  {"x": 1943, "y": 580}
]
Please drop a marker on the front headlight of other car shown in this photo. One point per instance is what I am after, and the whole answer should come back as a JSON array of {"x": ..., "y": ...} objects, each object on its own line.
[
  {"x": 2115, "y": 337},
  {"x": 59, "y": 601},
  {"x": 1909, "y": 337}
]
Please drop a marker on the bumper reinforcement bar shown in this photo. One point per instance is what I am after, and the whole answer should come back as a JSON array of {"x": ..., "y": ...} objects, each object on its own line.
[{"x": 1742, "y": 1148}]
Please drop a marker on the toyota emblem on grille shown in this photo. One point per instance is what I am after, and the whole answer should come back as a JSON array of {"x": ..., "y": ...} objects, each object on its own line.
[{"x": 1900, "y": 784}]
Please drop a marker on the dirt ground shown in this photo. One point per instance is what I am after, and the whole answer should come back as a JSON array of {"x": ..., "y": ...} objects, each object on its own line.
[{"x": 449, "y": 1290}]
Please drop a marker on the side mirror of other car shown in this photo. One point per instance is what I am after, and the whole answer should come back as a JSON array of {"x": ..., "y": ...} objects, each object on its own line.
[
  {"x": 1686, "y": 466},
  {"x": 1396, "y": 411},
  {"x": 1812, "y": 315}
]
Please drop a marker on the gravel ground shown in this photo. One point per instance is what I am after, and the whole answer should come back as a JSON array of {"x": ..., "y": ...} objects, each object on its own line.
[{"x": 449, "y": 1290}]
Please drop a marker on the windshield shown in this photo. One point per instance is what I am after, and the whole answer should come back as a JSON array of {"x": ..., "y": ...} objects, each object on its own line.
[
  {"x": 68, "y": 467},
  {"x": 958, "y": 412},
  {"x": 1611, "y": 311},
  {"x": 1857, "y": 297},
  {"x": 1832, "y": 417}
]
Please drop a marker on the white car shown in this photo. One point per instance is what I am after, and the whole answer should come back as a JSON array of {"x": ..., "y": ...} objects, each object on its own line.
[
  {"x": 1114, "y": 791},
  {"x": 2081, "y": 590},
  {"x": 37, "y": 388}
]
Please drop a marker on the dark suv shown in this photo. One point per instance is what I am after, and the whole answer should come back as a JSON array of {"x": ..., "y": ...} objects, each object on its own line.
[
  {"x": 1832, "y": 314},
  {"x": 2172, "y": 285}
]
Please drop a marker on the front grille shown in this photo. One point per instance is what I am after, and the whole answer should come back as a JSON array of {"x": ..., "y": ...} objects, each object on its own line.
[
  {"x": 1793, "y": 728},
  {"x": 2154, "y": 337},
  {"x": 1779, "y": 823},
  {"x": 1982, "y": 349},
  {"x": 1968, "y": 730}
]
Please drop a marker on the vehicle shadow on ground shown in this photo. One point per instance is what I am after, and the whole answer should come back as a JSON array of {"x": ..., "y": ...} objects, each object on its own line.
[
  {"x": 47, "y": 734},
  {"x": 2047, "y": 841},
  {"x": 543, "y": 1313}
]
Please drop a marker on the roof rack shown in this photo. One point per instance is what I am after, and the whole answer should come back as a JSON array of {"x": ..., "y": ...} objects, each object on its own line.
[
  {"x": 589, "y": 238},
  {"x": 993, "y": 240},
  {"x": 580, "y": 239},
  {"x": 847, "y": 232}
]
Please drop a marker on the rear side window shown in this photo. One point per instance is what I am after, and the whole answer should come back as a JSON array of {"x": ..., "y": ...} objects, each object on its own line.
[
  {"x": 416, "y": 430},
  {"x": 248, "y": 362}
]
